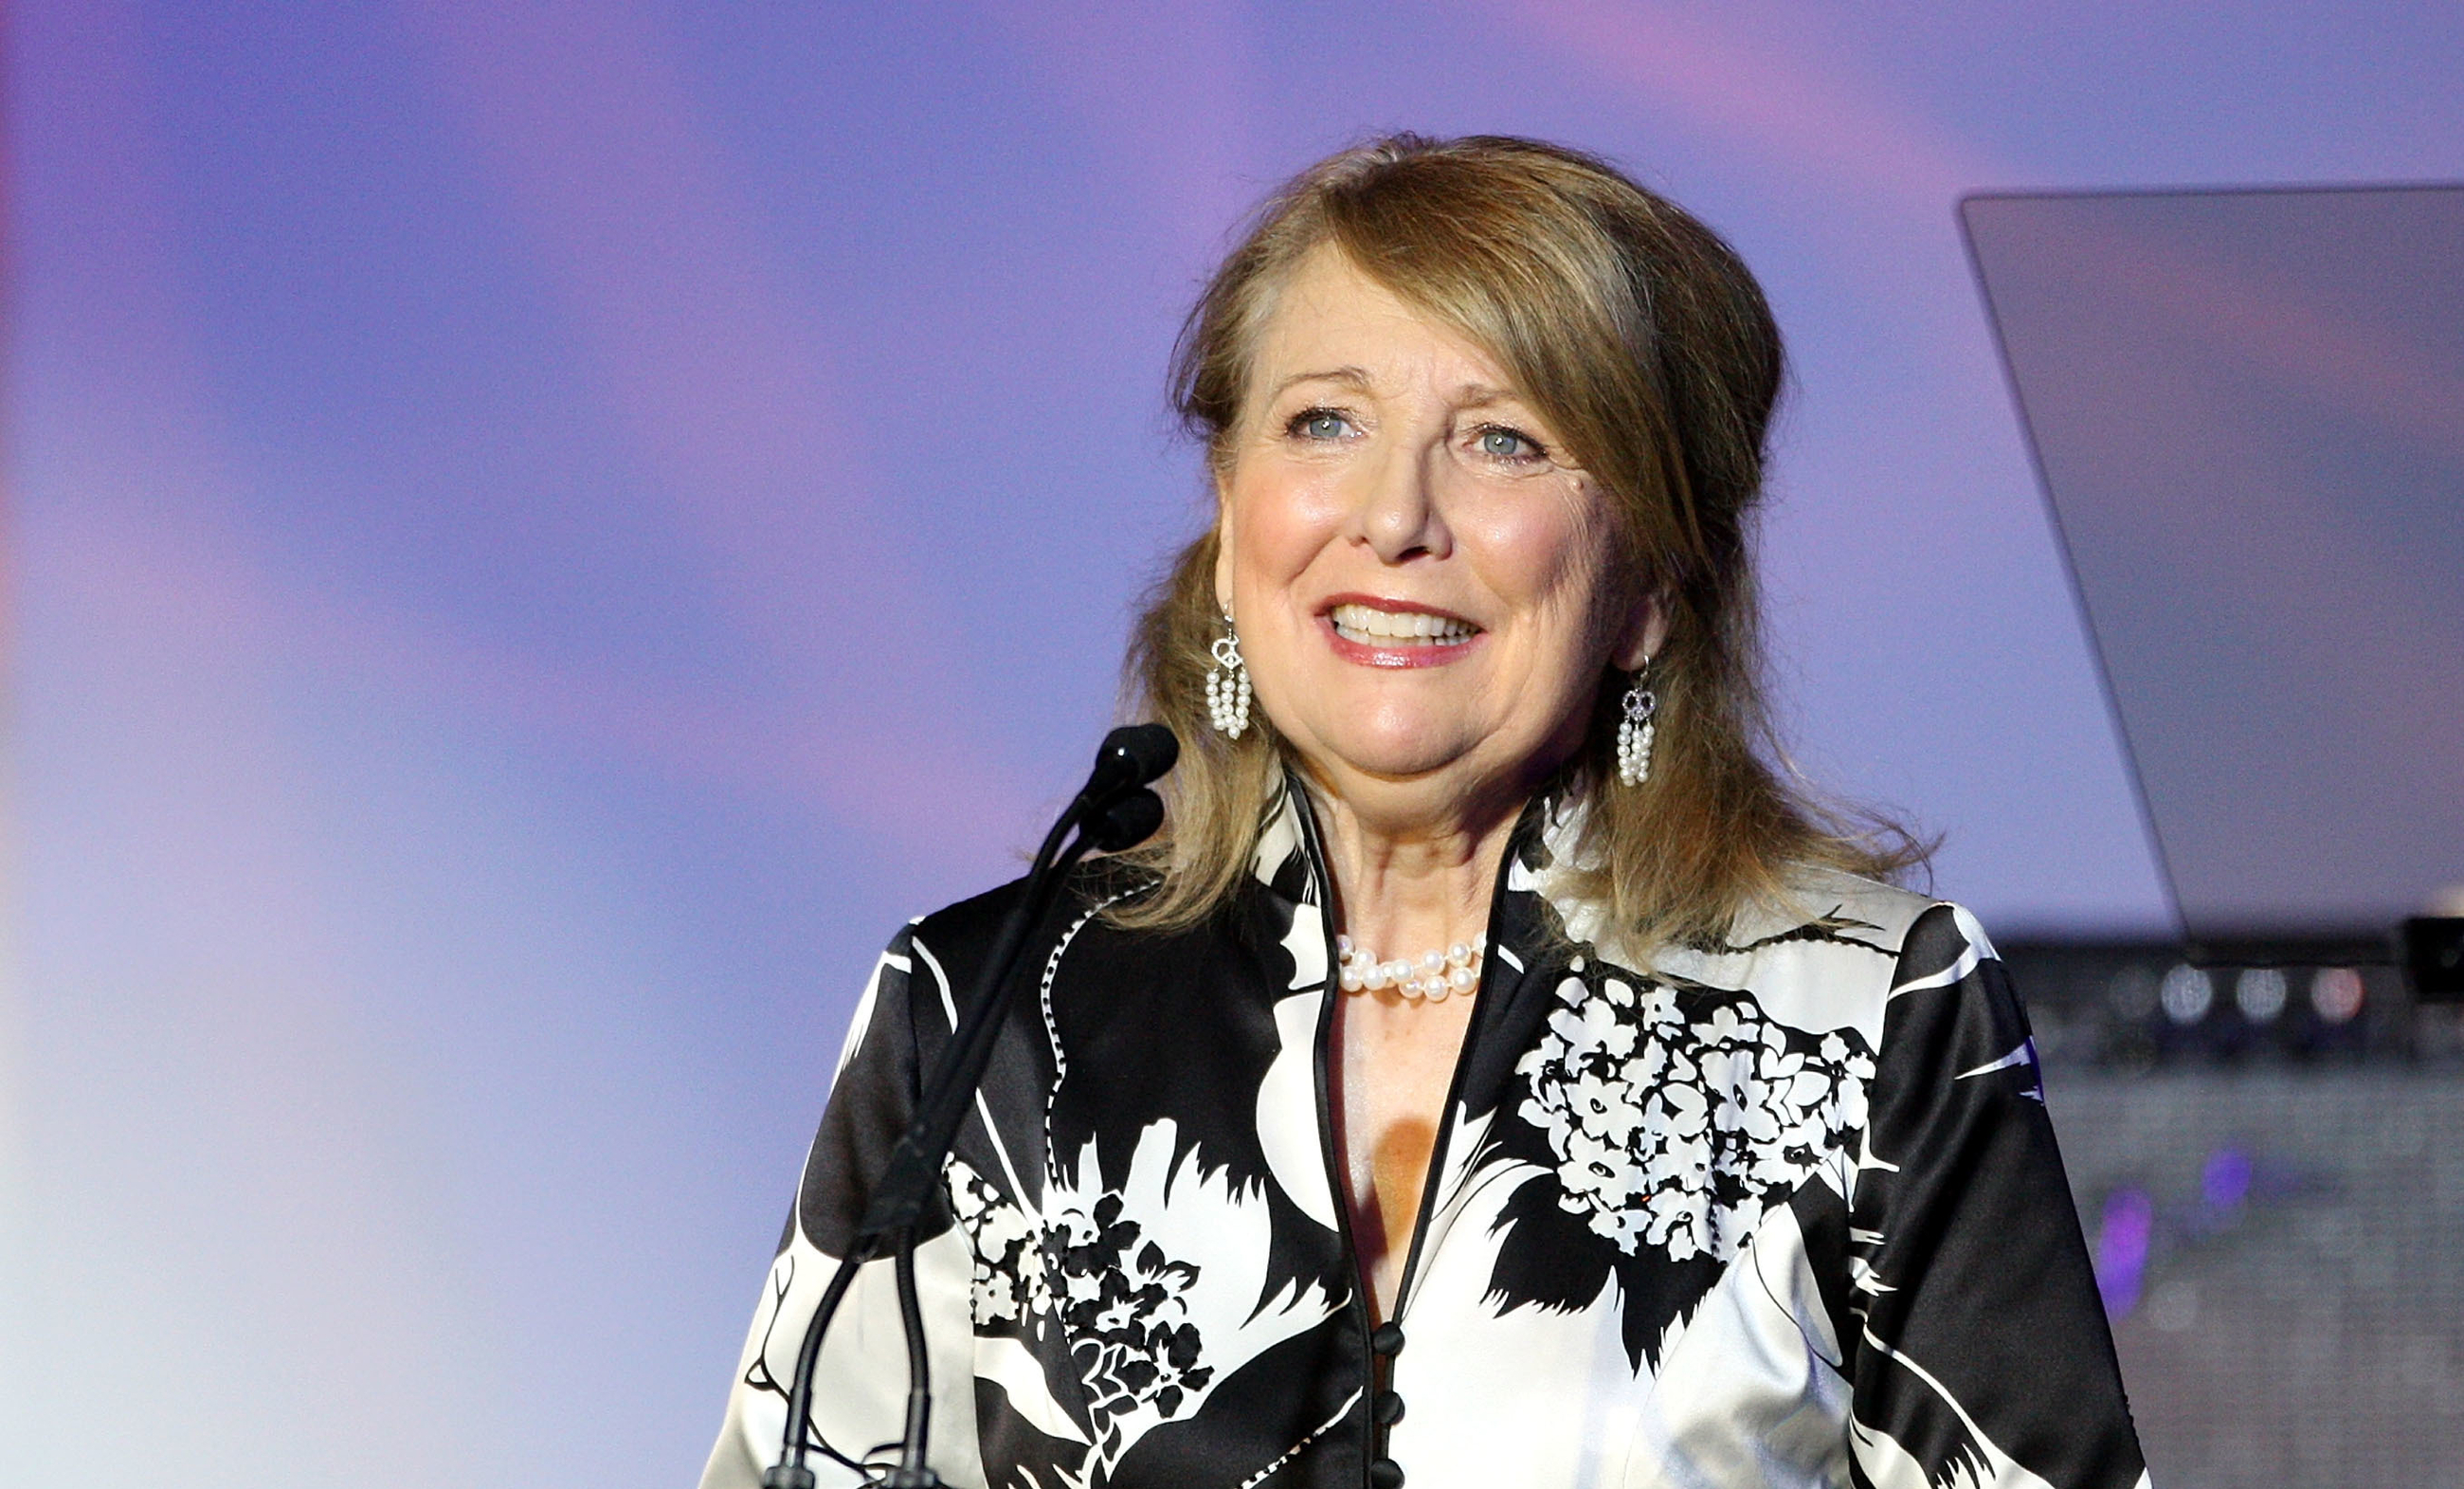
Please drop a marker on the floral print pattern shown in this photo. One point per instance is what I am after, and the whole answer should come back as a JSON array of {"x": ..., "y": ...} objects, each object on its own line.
[
  {"x": 1619, "y": 1134},
  {"x": 1123, "y": 1303},
  {"x": 1676, "y": 1116},
  {"x": 1008, "y": 1266}
]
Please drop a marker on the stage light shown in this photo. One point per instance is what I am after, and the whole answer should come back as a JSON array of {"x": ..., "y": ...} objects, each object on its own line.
[
  {"x": 2335, "y": 993},
  {"x": 2224, "y": 1183},
  {"x": 2124, "y": 1235},
  {"x": 2187, "y": 994},
  {"x": 2259, "y": 993},
  {"x": 2133, "y": 992}
]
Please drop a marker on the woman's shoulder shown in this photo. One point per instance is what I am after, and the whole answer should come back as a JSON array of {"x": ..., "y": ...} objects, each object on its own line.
[
  {"x": 1832, "y": 950},
  {"x": 965, "y": 929}
]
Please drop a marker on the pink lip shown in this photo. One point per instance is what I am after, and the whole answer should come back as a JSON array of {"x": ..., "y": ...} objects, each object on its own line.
[{"x": 1420, "y": 655}]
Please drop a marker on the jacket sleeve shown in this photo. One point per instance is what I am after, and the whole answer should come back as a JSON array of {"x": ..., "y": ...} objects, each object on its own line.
[
  {"x": 1984, "y": 1357},
  {"x": 860, "y": 1387}
]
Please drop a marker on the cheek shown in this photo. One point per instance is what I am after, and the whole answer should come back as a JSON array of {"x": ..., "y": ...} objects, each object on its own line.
[
  {"x": 1278, "y": 527},
  {"x": 1550, "y": 561}
]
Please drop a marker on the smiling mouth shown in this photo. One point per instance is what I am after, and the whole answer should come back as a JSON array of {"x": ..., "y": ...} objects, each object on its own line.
[{"x": 1364, "y": 625}]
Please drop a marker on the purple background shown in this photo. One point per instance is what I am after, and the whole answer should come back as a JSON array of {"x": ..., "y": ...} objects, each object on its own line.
[{"x": 540, "y": 532}]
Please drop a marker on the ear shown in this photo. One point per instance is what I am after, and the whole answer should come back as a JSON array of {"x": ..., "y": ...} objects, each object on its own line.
[
  {"x": 1645, "y": 632},
  {"x": 1223, "y": 546}
]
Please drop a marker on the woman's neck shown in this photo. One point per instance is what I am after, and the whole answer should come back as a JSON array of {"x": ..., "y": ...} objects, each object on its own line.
[{"x": 1407, "y": 883}]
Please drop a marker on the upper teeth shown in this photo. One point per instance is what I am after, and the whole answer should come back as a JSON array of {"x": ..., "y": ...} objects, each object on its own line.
[{"x": 1401, "y": 625}]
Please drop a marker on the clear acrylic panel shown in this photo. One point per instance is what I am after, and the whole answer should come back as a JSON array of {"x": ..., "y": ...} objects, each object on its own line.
[{"x": 2248, "y": 410}]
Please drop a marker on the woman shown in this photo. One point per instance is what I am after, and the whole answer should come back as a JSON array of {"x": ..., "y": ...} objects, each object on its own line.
[{"x": 1495, "y": 1073}]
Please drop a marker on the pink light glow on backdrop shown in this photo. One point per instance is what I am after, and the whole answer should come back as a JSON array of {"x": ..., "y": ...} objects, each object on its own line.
[{"x": 540, "y": 532}]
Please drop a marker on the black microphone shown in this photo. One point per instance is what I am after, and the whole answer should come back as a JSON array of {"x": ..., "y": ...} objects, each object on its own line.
[
  {"x": 1131, "y": 756},
  {"x": 1127, "y": 822},
  {"x": 1115, "y": 810}
]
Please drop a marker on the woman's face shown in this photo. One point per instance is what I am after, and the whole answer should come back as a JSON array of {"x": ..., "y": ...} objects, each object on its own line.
[{"x": 1421, "y": 578}]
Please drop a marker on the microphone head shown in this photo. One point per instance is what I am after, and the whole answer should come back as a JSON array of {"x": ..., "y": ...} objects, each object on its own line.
[
  {"x": 1127, "y": 822},
  {"x": 1131, "y": 756},
  {"x": 1146, "y": 750}
]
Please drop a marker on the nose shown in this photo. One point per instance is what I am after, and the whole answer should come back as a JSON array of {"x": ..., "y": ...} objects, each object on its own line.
[{"x": 1397, "y": 512}]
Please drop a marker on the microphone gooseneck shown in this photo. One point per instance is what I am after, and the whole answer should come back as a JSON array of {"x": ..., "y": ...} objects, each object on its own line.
[{"x": 1116, "y": 809}]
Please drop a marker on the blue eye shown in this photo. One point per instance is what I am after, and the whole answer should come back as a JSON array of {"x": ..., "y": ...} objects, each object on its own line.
[
  {"x": 1508, "y": 444},
  {"x": 1318, "y": 424}
]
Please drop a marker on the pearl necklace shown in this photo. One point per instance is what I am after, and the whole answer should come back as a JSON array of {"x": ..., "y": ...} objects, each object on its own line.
[{"x": 1435, "y": 975}]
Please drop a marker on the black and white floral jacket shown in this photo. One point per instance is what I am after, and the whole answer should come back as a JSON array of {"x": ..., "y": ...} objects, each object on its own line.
[{"x": 1782, "y": 1212}]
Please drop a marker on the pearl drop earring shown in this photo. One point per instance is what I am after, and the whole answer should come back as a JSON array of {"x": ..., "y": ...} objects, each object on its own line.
[
  {"x": 1227, "y": 684},
  {"x": 1636, "y": 730}
]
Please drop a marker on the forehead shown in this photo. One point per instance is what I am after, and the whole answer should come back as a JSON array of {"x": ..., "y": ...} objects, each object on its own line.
[{"x": 1329, "y": 320}]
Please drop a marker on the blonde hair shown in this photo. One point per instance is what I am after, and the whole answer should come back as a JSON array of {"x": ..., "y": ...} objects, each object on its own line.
[{"x": 1643, "y": 339}]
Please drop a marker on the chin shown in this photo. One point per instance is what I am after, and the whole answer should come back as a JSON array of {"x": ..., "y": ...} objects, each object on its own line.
[{"x": 1395, "y": 757}]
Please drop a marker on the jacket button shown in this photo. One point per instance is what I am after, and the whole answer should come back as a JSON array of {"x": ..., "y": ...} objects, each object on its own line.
[
  {"x": 1385, "y": 1474},
  {"x": 1386, "y": 1408},
  {"x": 1386, "y": 1337}
]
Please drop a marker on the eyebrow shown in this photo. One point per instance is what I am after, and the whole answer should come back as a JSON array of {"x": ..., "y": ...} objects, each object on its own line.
[
  {"x": 1475, "y": 395},
  {"x": 1350, "y": 377}
]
